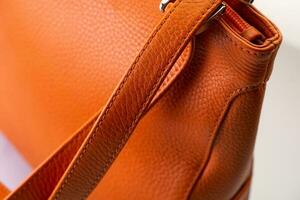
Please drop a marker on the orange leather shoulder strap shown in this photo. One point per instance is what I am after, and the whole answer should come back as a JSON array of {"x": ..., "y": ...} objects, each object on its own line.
[{"x": 130, "y": 100}]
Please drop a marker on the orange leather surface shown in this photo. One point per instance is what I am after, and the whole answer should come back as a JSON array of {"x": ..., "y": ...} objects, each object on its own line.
[
  {"x": 233, "y": 145},
  {"x": 159, "y": 149},
  {"x": 3, "y": 191},
  {"x": 196, "y": 142},
  {"x": 131, "y": 98},
  {"x": 59, "y": 66}
]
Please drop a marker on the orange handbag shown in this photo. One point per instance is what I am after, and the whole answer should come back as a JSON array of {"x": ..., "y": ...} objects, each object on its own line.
[{"x": 148, "y": 104}]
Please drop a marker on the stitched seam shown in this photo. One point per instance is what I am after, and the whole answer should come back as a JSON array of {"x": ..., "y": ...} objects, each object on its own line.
[
  {"x": 48, "y": 165},
  {"x": 169, "y": 78},
  {"x": 272, "y": 58},
  {"x": 147, "y": 100},
  {"x": 114, "y": 97},
  {"x": 247, "y": 49},
  {"x": 118, "y": 91},
  {"x": 219, "y": 121},
  {"x": 177, "y": 67},
  {"x": 243, "y": 48},
  {"x": 110, "y": 105}
]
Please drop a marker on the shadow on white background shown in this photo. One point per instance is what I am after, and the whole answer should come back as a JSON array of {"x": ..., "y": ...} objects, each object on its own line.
[{"x": 277, "y": 154}]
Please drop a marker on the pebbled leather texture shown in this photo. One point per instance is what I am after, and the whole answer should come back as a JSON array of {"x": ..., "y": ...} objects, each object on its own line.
[
  {"x": 131, "y": 98},
  {"x": 197, "y": 139},
  {"x": 64, "y": 80},
  {"x": 65, "y": 64}
]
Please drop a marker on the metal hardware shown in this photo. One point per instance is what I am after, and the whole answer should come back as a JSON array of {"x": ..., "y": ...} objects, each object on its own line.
[
  {"x": 220, "y": 10},
  {"x": 163, "y": 5}
]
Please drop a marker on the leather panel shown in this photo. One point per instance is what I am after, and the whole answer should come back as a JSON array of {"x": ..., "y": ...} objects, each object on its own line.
[
  {"x": 132, "y": 97},
  {"x": 56, "y": 77},
  {"x": 60, "y": 61},
  {"x": 170, "y": 146},
  {"x": 230, "y": 162}
]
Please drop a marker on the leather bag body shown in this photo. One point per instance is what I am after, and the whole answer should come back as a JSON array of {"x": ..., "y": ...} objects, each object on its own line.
[{"x": 81, "y": 99}]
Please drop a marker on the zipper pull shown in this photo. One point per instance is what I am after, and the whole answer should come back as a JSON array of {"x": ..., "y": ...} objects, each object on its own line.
[{"x": 241, "y": 27}]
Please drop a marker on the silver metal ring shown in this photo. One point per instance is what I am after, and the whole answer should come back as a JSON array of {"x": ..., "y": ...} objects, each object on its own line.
[{"x": 163, "y": 5}]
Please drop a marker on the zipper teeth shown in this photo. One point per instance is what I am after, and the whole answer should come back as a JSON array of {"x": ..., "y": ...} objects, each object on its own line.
[{"x": 235, "y": 19}]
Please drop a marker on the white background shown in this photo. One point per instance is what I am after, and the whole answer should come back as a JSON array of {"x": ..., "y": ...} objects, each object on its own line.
[{"x": 277, "y": 156}]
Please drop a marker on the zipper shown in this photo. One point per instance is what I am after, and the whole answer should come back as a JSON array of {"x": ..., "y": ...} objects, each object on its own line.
[
  {"x": 241, "y": 27},
  {"x": 235, "y": 20},
  {"x": 232, "y": 19}
]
